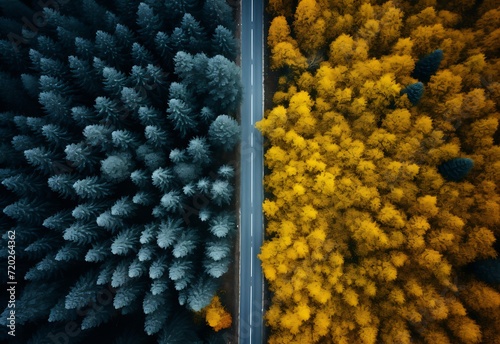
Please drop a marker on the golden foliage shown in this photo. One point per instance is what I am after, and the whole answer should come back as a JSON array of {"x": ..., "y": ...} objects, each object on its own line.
[
  {"x": 367, "y": 240},
  {"x": 216, "y": 316}
]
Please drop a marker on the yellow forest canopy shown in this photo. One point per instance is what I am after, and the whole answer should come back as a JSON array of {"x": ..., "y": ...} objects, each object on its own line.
[{"x": 368, "y": 239}]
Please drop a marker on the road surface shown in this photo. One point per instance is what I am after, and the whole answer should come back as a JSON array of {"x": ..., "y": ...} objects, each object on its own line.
[{"x": 251, "y": 325}]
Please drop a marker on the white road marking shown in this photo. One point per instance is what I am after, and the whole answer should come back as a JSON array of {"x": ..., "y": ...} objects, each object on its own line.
[
  {"x": 251, "y": 264},
  {"x": 252, "y": 12},
  {"x": 251, "y": 140},
  {"x": 251, "y": 74},
  {"x": 251, "y": 312},
  {"x": 251, "y": 45},
  {"x": 251, "y": 109},
  {"x": 251, "y": 179}
]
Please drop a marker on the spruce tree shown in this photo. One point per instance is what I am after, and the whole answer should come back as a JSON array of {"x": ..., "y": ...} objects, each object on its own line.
[
  {"x": 217, "y": 12},
  {"x": 487, "y": 270},
  {"x": 221, "y": 192},
  {"x": 82, "y": 157},
  {"x": 456, "y": 169},
  {"x": 222, "y": 225},
  {"x": 428, "y": 65},
  {"x": 149, "y": 22},
  {"x": 117, "y": 168},
  {"x": 223, "y": 43},
  {"x": 201, "y": 292},
  {"x": 168, "y": 232},
  {"x": 224, "y": 132},
  {"x": 92, "y": 188},
  {"x": 181, "y": 116},
  {"x": 414, "y": 92},
  {"x": 224, "y": 85},
  {"x": 199, "y": 150},
  {"x": 63, "y": 185}
]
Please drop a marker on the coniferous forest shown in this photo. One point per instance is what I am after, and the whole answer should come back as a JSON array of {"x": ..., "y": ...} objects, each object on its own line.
[
  {"x": 118, "y": 129},
  {"x": 383, "y": 160}
]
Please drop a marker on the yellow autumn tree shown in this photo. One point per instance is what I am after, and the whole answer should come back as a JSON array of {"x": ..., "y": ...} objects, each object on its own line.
[{"x": 216, "y": 316}]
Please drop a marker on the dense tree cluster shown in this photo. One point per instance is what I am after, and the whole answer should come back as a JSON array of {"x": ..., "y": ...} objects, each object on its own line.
[
  {"x": 117, "y": 131},
  {"x": 383, "y": 159}
]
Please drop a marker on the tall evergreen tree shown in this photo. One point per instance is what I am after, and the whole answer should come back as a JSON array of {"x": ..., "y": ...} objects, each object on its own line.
[
  {"x": 92, "y": 188},
  {"x": 175, "y": 9},
  {"x": 224, "y": 133},
  {"x": 98, "y": 136},
  {"x": 43, "y": 159},
  {"x": 414, "y": 92},
  {"x": 201, "y": 292},
  {"x": 224, "y": 85},
  {"x": 199, "y": 150},
  {"x": 181, "y": 116},
  {"x": 56, "y": 135},
  {"x": 25, "y": 184},
  {"x": 114, "y": 81},
  {"x": 456, "y": 169},
  {"x": 117, "y": 168},
  {"x": 217, "y": 12},
  {"x": 82, "y": 157},
  {"x": 63, "y": 185},
  {"x": 224, "y": 43},
  {"x": 190, "y": 36},
  {"x": 428, "y": 65},
  {"x": 149, "y": 22},
  {"x": 163, "y": 179},
  {"x": 222, "y": 225},
  {"x": 221, "y": 192}
]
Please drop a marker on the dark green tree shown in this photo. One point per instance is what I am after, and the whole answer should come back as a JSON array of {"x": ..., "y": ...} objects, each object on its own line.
[
  {"x": 124, "y": 207},
  {"x": 217, "y": 12},
  {"x": 57, "y": 136},
  {"x": 82, "y": 157},
  {"x": 63, "y": 185},
  {"x": 92, "y": 188},
  {"x": 149, "y": 23},
  {"x": 117, "y": 168},
  {"x": 163, "y": 179},
  {"x": 487, "y": 270},
  {"x": 44, "y": 160},
  {"x": 190, "y": 36},
  {"x": 456, "y": 169},
  {"x": 182, "y": 117},
  {"x": 223, "y": 225},
  {"x": 114, "y": 81},
  {"x": 414, "y": 92},
  {"x": 224, "y": 43},
  {"x": 199, "y": 151},
  {"x": 224, "y": 133},
  {"x": 224, "y": 86},
  {"x": 156, "y": 137},
  {"x": 427, "y": 66},
  {"x": 126, "y": 241},
  {"x": 221, "y": 192},
  {"x": 201, "y": 293}
]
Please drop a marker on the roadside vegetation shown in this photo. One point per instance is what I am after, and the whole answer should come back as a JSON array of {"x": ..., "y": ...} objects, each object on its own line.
[
  {"x": 117, "y": 134},
  {"x": 383, "y": 154}
]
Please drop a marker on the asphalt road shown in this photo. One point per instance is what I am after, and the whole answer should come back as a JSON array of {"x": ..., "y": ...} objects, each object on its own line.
[{"x": 251, "y": 324}]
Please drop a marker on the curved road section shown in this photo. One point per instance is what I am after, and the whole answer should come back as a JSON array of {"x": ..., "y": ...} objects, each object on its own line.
[{"x": 252, "y": 169}]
